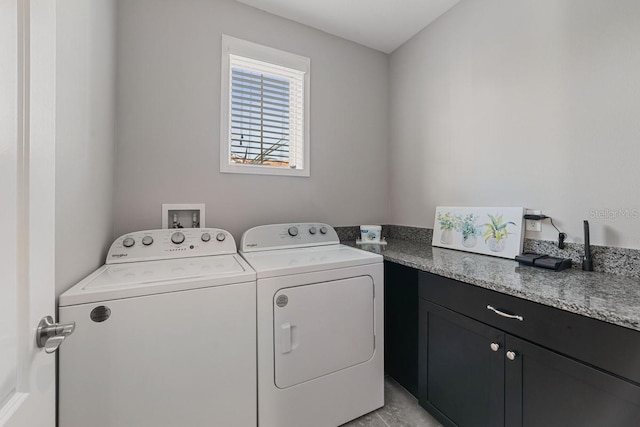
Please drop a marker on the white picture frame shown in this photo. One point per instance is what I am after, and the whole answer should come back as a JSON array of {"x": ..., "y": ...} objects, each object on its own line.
[
  {"x": 495, "y": 231},
  {"x": 183, "y": 214}
]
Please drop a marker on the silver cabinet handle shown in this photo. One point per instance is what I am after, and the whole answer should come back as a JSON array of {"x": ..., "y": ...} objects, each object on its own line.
[
  {"x": 507, "y": 315},
  {"x": 495, "y": 346},
  {"x": 50, "y": 335},
  {"x": 511, "y": 355}
]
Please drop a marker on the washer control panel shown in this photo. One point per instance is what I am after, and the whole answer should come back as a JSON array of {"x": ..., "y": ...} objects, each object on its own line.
[
  {"x": 282, "y": 236},
  {"x": 152, "y": 245}
]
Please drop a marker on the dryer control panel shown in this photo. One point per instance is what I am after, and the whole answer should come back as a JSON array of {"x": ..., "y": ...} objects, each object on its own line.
[
  {"x": 284, "y": 236},
  {"x": 171, "y": 243}
]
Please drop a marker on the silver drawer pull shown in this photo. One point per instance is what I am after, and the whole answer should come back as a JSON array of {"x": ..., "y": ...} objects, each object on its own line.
[{"x": 503, "y": 314}]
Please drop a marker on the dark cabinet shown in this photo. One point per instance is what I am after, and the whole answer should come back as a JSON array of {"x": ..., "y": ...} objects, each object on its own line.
[
  {"x": 477, "y": 368},
  {"x": 401, "y": 325},
  {"x": 461, "y": 368},
  {"x": 544, "y": 388}
]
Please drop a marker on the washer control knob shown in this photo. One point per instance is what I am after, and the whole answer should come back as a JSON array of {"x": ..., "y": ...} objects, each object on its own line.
[
  {"x": 205, "y": 237},
  {"x": 220, "y": 237},
  {"x": 312, "y": 230},
  {"x": 177, "y": 237},
  {"x": 323, "y": 230},
  {"x": 128, "y": 242},
  {"x": 293, "y": 231},
  {"x": 147, "y": 240}
]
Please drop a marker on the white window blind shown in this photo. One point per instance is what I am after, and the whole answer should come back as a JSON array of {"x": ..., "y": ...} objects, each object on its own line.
[
  {"x": 264, "y": 126},
  {"x": 267, "y": 114}
]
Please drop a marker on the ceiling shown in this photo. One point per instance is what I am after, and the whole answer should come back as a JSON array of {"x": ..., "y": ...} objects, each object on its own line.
[{"x": 383, "y": 25}]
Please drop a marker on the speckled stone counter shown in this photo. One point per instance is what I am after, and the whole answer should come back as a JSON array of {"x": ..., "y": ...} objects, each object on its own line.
[{"x": 601, "y": 296}]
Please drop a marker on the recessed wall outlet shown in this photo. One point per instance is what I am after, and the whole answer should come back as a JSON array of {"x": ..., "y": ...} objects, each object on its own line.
[
  {"x": 530, "y": 224},
  {"x": 183, "y": 215}
]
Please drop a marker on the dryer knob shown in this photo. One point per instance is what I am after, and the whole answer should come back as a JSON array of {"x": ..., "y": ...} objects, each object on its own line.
[
  {"x": 312, "y": 230},
  {"x": 177, "y": 238},
  {"x": 205, "y": 237},
  {"x": 128, "y": 242},
  {"x": 147, "y": 240},
  {"x": 323, "y": 230},
  {"x": 220, "y": 237},
  {"x": 293, "y": 231}
]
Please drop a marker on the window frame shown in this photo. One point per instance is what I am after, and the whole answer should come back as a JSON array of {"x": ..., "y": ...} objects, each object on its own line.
[{"x": 243, "y": 48}]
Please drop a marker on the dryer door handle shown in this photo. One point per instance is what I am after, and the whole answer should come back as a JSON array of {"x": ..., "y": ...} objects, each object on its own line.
[{"x": 285, "y": 337}]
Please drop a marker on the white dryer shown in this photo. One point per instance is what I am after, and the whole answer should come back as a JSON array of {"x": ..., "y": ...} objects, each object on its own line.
[
  {"x": 320, "y": 326},
  {"x": 165, "y": 335}
]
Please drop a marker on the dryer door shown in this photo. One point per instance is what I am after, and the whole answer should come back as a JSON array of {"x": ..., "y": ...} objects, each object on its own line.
[{"x": 322, "y": 328}]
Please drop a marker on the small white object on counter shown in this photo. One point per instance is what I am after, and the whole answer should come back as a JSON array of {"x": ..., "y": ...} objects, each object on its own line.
[{"x": 370, "y": 233}]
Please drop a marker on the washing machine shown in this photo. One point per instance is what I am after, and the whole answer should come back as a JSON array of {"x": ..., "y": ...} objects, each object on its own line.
[
  {"x": 165, "y": 335},
  {"x": 320, "y": 326}
]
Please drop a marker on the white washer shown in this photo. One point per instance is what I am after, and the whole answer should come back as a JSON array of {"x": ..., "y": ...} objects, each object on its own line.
[
  {"x": 320, "y": 326},
  {"x": 165, "y": 335}
]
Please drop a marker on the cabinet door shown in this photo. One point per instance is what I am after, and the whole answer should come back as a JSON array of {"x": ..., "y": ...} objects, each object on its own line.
[
  {"x": 544, "y": 388},
  {"x": 461, "y": 375},
  {"x": 401, "y": 325}
]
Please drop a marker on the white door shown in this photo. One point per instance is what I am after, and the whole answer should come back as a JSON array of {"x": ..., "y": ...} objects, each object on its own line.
[{"x": 27, "y": 129}]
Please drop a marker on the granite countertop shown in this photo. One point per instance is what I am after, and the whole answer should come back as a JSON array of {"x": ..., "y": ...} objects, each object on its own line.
[{"x": 603, "y": 296}]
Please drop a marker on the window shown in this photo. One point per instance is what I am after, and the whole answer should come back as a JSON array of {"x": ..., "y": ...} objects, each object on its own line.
[{"x": 265, "y": 110}]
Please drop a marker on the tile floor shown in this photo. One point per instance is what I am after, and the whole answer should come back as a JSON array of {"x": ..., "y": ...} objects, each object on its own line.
[{"x": 401, "y": 409}]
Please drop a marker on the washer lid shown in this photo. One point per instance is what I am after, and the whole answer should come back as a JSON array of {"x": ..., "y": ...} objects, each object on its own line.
[
  {"x": 116, "y": 281},
  {"x": 285, "y": 262}
]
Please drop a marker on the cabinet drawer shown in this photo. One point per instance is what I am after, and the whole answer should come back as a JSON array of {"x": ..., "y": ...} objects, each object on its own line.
[{"x": 606, "y": 346}]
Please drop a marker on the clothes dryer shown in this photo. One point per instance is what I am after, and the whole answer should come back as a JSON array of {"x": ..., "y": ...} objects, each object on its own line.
[{"x": 320, "y": 326}]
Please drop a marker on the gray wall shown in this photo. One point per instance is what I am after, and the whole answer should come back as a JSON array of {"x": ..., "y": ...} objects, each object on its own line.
[
  {"x": 521, "y": 103},
  {"x": 85, "y": 137},
  {"x": 168, "y": 120}
]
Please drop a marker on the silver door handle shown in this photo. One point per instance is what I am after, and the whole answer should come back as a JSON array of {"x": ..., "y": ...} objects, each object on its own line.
[
  {"x": 507, "y": 315},
  {"x": 50, "y": 335},
  {"x": 286, "y": 338}
]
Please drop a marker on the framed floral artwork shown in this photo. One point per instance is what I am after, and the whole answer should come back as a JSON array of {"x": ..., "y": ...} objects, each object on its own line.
[{"x": 497, "y": 231}]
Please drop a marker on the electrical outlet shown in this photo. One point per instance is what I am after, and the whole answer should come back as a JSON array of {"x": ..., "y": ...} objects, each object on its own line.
[{"x": 532, "y": 225}]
